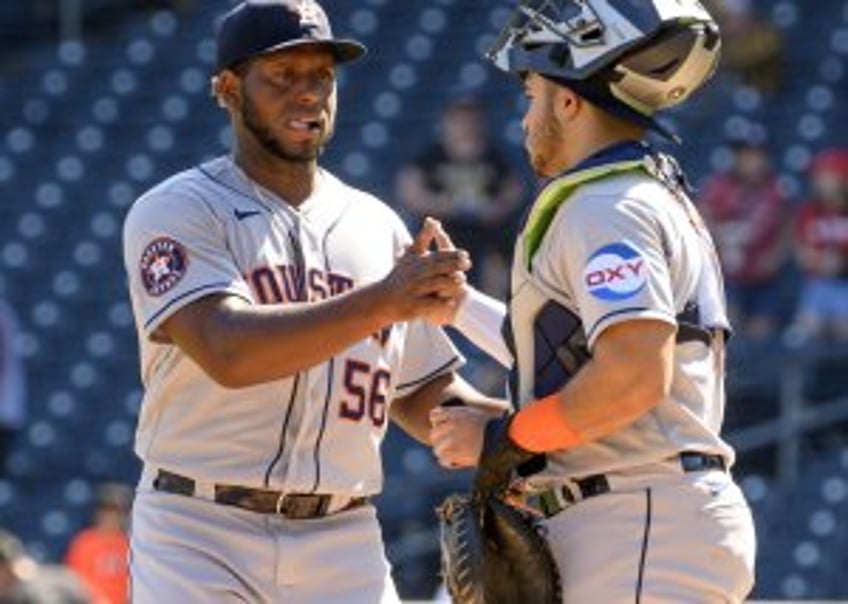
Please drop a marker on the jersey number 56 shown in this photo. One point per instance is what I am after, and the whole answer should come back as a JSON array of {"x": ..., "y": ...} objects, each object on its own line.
[{"x": 365, "y": 392}]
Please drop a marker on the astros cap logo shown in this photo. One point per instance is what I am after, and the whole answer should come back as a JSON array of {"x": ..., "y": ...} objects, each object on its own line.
[{"x": 310, "y": 17}]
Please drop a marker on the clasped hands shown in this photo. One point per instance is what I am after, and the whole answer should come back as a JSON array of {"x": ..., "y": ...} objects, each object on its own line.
[{"x": 428, "y": 281}]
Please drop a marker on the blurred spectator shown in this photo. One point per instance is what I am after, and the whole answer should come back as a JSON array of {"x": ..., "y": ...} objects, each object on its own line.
[
  {"x": 752, "y": 47},
  {"x": 821, "y": 239},
  {"x": 100, "y": 553},
  {"x": 463, "y": 180},
  {"x": 750, "y": 221},
  {"x": 12, "y": 384},
  {"x": 24, "y": 581}
]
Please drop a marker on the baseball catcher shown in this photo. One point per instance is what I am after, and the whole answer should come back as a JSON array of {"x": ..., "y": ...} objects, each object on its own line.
[{"x": 617, "y": 323}]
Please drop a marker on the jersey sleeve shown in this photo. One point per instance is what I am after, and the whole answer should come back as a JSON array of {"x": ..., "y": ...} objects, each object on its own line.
[
  {"x": 427, "y": 354},
  {"x": 615, "y": 259},
  {"x": 176, "y": 252}
]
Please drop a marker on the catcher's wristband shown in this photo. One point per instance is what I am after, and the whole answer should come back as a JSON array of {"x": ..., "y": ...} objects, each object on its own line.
[{"x": 542, "y": 427}]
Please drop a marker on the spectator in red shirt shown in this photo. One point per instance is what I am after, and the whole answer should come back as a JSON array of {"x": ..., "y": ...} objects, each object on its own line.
[
  {"x": 750, "y": 221},
  {"x": 99, "y": 554},
  {"x": 821, "y": 239},
  {"x": 23, "y": 580}
]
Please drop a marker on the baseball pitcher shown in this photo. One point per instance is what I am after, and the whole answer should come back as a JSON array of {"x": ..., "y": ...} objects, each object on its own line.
[{"x": 282, "y": 323}]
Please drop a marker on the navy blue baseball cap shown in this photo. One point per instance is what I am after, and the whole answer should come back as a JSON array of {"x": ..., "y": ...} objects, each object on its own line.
[{"x": 256, "y": 27}]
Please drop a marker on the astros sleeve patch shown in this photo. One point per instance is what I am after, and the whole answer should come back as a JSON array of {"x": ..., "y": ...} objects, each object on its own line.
[
  {"x": 162, "y": 265},
  {"x": 175, "y": 253}
]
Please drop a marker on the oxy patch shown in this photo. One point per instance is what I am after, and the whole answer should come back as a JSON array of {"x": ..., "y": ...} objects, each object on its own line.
[
  {"x": 163, "y": 264},
  {"x": 615, "y": 272}
]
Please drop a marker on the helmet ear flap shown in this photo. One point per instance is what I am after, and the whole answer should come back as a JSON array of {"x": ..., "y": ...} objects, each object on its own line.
[{"x": 668, "y": 70}]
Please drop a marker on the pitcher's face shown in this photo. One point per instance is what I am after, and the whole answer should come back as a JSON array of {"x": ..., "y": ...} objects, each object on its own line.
[{"x": 289, "y": 101}]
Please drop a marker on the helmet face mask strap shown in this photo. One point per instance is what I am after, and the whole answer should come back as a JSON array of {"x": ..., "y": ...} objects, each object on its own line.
[
  {"x": 565, "y": 38},
  {"x": 571, "y": 22},
  {"x": 509, "y": 37},
  {"x": 574, "y": 22}
]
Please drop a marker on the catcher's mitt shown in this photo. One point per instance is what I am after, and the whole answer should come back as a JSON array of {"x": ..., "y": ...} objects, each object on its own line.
[{"x": 492, "y": 553}]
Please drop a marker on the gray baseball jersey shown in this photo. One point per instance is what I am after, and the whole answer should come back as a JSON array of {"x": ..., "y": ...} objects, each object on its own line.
[
  {"x": 210, "y": 230},
  {"x": 624, "y": 248}
]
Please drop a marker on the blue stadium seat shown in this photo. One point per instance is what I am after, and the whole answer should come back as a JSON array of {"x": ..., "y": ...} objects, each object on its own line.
[
  {"x": 20, "y": 139},
  {"x": 144, "y": 117},
  {"x": 77, "y": 492},
  {"x": 62, "y": 404}
]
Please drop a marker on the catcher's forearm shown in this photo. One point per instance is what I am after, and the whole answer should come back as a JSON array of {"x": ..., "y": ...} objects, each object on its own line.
[{"x": 629, "y": 373}]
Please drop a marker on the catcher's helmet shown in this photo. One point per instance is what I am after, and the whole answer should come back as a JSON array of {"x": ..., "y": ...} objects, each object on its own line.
[{"x": 632, "y": 57}]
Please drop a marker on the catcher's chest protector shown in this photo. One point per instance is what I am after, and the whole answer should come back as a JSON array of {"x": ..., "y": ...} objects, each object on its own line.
[{"x": 548, "y": 339}]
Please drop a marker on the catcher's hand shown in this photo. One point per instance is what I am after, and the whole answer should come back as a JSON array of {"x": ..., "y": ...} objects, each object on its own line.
[
  {"x": 494, "y": 554},
  {"x": 500, "y": 459}
]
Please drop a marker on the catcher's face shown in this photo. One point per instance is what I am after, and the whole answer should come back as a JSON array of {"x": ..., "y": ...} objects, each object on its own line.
[
  {"x": 543, "y": 132},
  {"x": 288, "y": 102}
]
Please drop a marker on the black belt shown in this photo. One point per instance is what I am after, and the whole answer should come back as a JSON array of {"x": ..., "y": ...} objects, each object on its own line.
[
  {"x": 298, "y": 506},
  {"x": 551, "y": 501}
]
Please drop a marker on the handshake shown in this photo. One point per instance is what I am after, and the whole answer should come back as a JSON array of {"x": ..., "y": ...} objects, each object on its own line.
[{"x": 428, "y": 281}]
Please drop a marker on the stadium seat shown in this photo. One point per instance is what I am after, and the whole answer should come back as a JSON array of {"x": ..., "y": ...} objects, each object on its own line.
[{"x": 78, "y": 150}]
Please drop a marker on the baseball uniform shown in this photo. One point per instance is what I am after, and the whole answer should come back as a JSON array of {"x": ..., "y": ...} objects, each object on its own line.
[
  {"x": 647, "y": 514},
  {"x": 212, "y": 230}
]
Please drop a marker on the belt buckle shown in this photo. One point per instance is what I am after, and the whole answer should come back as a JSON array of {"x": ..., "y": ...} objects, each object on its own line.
[
  {"x": 281, "y": 502},
  {"x": 302, "y": 506},
  {"x": 555, "y": 499},
  {"x": 569, "y": 493}
]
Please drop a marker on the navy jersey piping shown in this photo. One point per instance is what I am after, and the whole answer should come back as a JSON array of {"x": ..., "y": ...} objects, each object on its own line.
[
  {"x": 613, "y": 314},
  {"x": 232, "y": 189},
  {"x": 316, "y": 452},
  {"x": 430, "y": 375},
  {"x": 283, "y": 431},
  {"x": 301, "y": 287},
  {"x": 643, "y": 555},
  {"x": 182, "y": 296}
]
